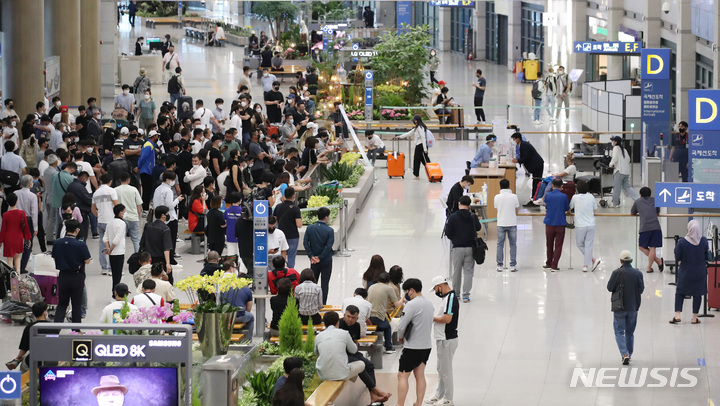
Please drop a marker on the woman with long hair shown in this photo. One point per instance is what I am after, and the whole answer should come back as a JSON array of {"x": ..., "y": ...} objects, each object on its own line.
[
  {"x": 620, "y": 162},
  {"x": 197, "y": 206},
  {"x": 291, "y": 394},
  {"x": 421, "y": 148},
  {"x": 234, "y": 180},
  {"x": 376, "y": 267}
]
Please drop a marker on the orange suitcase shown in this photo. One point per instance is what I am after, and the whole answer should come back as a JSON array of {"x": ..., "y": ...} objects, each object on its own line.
[
  {"x": 396, "y": 164},
  {"x": 434, "y": 172}
]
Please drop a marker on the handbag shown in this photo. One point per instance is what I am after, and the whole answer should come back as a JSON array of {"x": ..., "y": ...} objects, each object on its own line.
[
  {"x": 478, "y": 251},
  {"x": 617, "y": 299}
]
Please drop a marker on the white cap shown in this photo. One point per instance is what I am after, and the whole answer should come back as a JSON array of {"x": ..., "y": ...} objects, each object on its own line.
[
  {"x": 439, "y": 280},
  {"x": 153, "y": 133},
  {"x": 124, "y": 130},
  {"x": 626, "y": 256},
  {"x": 141, "y": 131}
]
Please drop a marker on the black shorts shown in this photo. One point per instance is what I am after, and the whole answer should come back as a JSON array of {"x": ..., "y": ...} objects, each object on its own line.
[{"x": 411, "y": 359}]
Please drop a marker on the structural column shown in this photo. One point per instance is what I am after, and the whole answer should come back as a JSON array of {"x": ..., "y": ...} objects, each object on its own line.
[
  {"x": 685, "y": 59},
  {"x": 90, "y": 48},
  {"x": 63, "y": 40},
  {"x": 514, "y": 52},
  {"x": 480, "y": 33},
  {"x": 444, "y": 29},
  {"x": 108, "y": 55},
  {"x": 615, "y": 16},
  {"x": 716, "y": 41},
  {"x": 577, "y": 32},
  {"x": 22, "y": 59}
]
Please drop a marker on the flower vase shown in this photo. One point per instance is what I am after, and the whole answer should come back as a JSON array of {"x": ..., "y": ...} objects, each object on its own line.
[{"x": 214, "y": 332}]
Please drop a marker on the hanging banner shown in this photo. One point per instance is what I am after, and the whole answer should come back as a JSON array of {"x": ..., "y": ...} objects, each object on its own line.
[{"x": 656, "y": 100}]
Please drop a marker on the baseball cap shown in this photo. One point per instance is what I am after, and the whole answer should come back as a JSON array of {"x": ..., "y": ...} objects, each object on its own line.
[
  {"x": 625, "y": 255},
  {"x": 64, "y": 109},
  {"x": 616, "y": 139},
  {"x": 153, "y": 133},
  {"x": 124, "y": 130},
  {"x": 438, "y": 280}
]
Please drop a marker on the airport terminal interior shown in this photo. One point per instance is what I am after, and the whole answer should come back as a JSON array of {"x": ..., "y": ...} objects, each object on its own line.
[{"x": 524, "y": 337}]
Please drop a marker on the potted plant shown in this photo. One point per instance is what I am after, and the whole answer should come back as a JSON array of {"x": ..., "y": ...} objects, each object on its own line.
[{"x": 214, "y": 312}]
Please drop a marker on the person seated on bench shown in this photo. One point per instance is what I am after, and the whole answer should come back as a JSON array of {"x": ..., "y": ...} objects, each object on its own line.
[
  {"x": 289, "y": 364},
  {"x": 375, "y": 145},
  {"x": 332, "y": 347},
  {"x": 276, "y": 62},
  {"x": 442, "y": 103},
  {"x": 212, "y": 264},
  {"x": 309, "y": 296},
  {"x": 242, "y": 297},
  {"x": 280, "y": 271},
  {"x": 349, "y": 323},
  {"x": 219, "y": 34},
  {"x": 291, "y": 393},
  {"x": 359, "y": 300},
  {"x": 253, "y": 44},
  {"x": 278, "y": 304}
]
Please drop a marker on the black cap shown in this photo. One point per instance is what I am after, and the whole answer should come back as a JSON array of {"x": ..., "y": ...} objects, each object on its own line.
[
  {"x": 217, "y": 137},
  {"x": 45, "y": 117},
  {"x": 183, "y": 144}
]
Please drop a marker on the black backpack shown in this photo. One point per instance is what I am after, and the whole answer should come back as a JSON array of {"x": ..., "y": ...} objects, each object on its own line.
[
  {"x": 173, "y": 85},
  {"x": 9, "y": 177},
  {"x": 536, "y": 90}
]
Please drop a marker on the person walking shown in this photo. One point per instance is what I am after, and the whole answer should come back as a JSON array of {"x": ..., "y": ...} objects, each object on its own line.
[
  {"x": 170, "y": 61},
  {"x": 479, "y": 96},
  {"x": 421, "y": 148},
  {"x": 156, "y": 240},
  {"x": 141, "y": 85},
  {"x": 549, "y": 93},
  {"x": 536, "y": 93},
  {"x": 49, "y": 214},
  {"x": 146, "y": 163},
  {"x": 434, "y": 63},
  {"x": 691, "y": 254},
  {"x": 114, "y": 243},
  {"x": 27, "y": 202},
  {"x": 418, "y": 313},
  {"x": 165, "y": 196},
  {"x": 556, "y": 206},
  {"x": 462, "y": 228},
  {"x": 533, "y": 162},
  {"x": 507, "y": 205},
  {"x": 176, "y": 85},
  {"x": 289, "y": 222},
  {"x": 445, "y": 324},
  {"x": 584, "y": 206},
  {"x": 650, "y": 237},
  {"x": 129, "y": 197},
  {"x": 318, "y": 243},
  {"x": 70, "y": 257},
  {"x": 563, "y": 87},
  {"x": 104, "y": 200},
  {"x": 629, "y": 280},
  {"x": 620, "y": 162}
]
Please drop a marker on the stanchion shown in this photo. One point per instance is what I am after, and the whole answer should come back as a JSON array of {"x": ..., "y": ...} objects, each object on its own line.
[
  {"x": 347, "y": 225},
  {"x": 507, "y": 114},
  {"x": 571, "y": 250},
  {"x": 705, "y": 307},
  {"x": 343, "y": 231},
  {"x": 677, "y": 266}
]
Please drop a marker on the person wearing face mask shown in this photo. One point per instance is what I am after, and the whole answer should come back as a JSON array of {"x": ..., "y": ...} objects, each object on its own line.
[
  {"x": 679, "y": 150},
  {"x": 56, "y": 106},
  {"x": 138, "y": 45},
  {"x": 220, "y": 115},
  {"x": 157, "y": 240},
  {"x": 288, "y": 132},
  {"x": 276, "y": 62},
  {"x": 9, "y": 109},
  {"x": 245, "y": 112},
  {"x": 421, "y": 147},
  {"x": 479, "y": 96},
  {"x": 146, "y": 163},
  {"x": 229, "y": 144},
  {"x": 215, "y": 229},
  {"x": 164, "y": 196},
  {"x": 94, "y": 127},
  {"x": 312, "y": 80},
  {"x": 244, "y": 80},
  {"x": 241, "y": 298},
  {"x": 266, "y": 58},
  {"x": 196, "y": 174},
  {"x": 300, "y": 116},
  {"x": 146, "y": 111},
  {"x": 563, "y": 87},
  {"x": 257, "y": 121},
  {"x": 267, "y": 79},
  {"x": 124, "y": 102},
  {"x": 204, "y": 115},
  {"x": 434, "y": 62},
  {"x": 461, "y": 229},
  {"x": 620, "y": 162},
  {"x": 56, "y": 136},
  {"x": 274, "y": 104},
  {"x": 236, "y": 121},
  {"x": 10, "y": 132},
  {"x": 445, "y": 324}
]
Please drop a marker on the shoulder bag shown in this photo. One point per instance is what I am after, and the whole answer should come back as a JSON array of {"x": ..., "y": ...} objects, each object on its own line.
[{"x": 617, "y": 299}]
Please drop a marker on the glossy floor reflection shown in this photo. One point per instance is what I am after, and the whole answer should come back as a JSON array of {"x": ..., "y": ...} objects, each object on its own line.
[{"x": 523, "y": 333}]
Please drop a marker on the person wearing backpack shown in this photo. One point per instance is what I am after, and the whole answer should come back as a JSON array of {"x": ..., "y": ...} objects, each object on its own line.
[
  {"x": 549, "y": 92},
  {"x": 280, "y": 271},
  {"x": 537, "y": 95},
  {"x": 176, "y": 86}
]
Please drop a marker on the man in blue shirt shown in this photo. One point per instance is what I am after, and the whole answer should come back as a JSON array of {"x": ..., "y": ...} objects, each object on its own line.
[
  {"x": 146, "y": 163},
  {"x": 241, "y": 298},
  {"x": 70, "y": 256},
  {"x": 484, "y": 153},
  {"x": 318, "y": 242},
  {"x": 557, "y": 205}
]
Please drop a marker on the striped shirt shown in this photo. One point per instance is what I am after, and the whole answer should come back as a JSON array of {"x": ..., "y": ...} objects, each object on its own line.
[{"x": 309, "y": 297}]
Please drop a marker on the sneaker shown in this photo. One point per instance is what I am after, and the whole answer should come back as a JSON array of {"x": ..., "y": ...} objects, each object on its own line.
[
  {"x": 389, "y": 351},
  {"x": 104, "y": 272},
  {"x": 539, "y": 202},
  {"x": 177, "y": 256},
  {"x": 553, "y": 270},
  {"x": 83, "y": 313},
  {"x": 596, "y": 263},
  {"x": 499, "y": 269},
  {"x": 585, "y": 268},
  {"x": 546, "y": 266},
  {"x": 626, "y": 360},
  {"x": 466, "y": 299},
  {"x": 513, "y": 269},
  {"x": 432, "y": 400},
  {"x": 445, "y": 402},
  {"x": 96, "y": 236}
]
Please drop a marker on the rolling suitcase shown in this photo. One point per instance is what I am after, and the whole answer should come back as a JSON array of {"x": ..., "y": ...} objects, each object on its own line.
[
  {"x": 48, "y": 288},
  {"x": 713, "y": 297},
  {"x": 434, "y": 172},
  {"x": 396, "y": 164}
]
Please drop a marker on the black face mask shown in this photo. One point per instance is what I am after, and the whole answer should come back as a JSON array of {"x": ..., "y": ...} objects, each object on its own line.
[
  {"x": 271, "y": 230},
  {"x": 277, "y": 88},
  {"x": 682, "y": 130},
  {"x": 133, "y": 136},
  {"x": 438, "y": 293},
  {"x": 67, "y": 216}
]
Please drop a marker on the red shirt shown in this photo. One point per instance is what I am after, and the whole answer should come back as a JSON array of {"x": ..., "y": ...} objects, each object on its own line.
[{"x": 277, "y": 274}]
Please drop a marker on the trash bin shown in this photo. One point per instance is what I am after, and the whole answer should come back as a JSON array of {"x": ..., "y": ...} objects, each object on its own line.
[{"x": 220, "y": 380}]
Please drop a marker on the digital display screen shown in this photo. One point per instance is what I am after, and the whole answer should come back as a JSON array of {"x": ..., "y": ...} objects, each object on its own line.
[
  {"x": 152, "y": 39},
  {"x": 106, "y": 386}
]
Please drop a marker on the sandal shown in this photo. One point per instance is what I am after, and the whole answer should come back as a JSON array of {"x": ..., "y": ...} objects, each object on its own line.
[
  {"x": 650, "y": 270},
  {"x": 674, "y": 321},
  {"x": 662, "y": 264},
  {"x": 695, "y": 322}
]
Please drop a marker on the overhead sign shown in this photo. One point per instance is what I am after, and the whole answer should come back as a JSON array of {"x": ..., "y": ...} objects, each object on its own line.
[
  {"x": 655, "y": 97},
  {"x": 688, "y": 195},
  {"x": 10, "y": 386},
  {"x": 611, "y": 47},
  {"x": 703, "y": 109},
  {"x": 453, "y": 3},
  {"x": 704, "y": 135},
  {"x": 655, "y": 64},
  {"x": 260, "y": 226}
]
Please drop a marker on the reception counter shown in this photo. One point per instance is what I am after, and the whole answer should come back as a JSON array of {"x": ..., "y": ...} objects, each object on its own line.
[{"x": 491, "y": 177}]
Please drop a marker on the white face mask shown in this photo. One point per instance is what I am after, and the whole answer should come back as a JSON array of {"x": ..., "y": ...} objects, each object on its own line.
[
  {"x": 305, "y": 88},
  {"x": 432, "y": 53},
  {"x": 266, "y": 74},
  {"x": 13, "y": 123},
  {"x": 126, "y": 92},
  {"x": 219, "y": 106},
  {"x": 90, "y": 150},
  {"x": 173, "y": 183},
  {"x": 58, "y": 104},
  {"x": 243, "y": 104},
  {"x": 258, "y": 110},
  {"x": 76, "y": 139},
  {"x": 147, "y": 97},
  {"x": 98, "y": 116}
]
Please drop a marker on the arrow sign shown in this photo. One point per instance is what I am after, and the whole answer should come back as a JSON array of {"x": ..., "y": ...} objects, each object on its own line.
[
  {"x": 578, "y": 47},
  {"x": 665, "y": 194}
]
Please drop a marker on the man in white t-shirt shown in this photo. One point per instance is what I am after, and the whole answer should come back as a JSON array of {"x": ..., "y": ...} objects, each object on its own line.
[
  {"x": 205, "y": 116},
  {"x": 163, "y": 288},
  {"x": 83, "y": 166},
  {"x": 170, "y": 61},
  {"x": 103, "y": 201},
  {"x": 276, "y": 243},
  {"x": 359, "y": 300},
  {"x": 507, "y": 205},
  {"x": 108, "y": 314},
  {"x": 148, "y": 298}
]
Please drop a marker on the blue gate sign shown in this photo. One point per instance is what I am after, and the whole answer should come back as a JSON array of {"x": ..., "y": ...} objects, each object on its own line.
[
  {"x": 612, "y": 47},
  {"x": 260, "y": 225},
  {"x": 10, "y": 386},
  {"x": 688, "y": 195}
]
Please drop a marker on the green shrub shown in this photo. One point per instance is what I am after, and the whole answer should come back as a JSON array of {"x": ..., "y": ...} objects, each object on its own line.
[
  {"x": 339, "y": 172},
  {"x": 331, "y": 192},
  {"x": 290, "y": 328},
  {"x": 309, "y": 344},
  {"x": 263, "y": 384}
]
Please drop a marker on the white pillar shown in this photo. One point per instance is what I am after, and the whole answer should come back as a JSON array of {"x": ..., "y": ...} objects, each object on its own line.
[
  {"x": 445, "y": 29},
  {"x": 685, "y": 59},
  {"x": 514, "y": 51},
  {"x": 480, "y": 34},
  {"x": 109, "y": 52},
  {"x": 615, "y": 16}
]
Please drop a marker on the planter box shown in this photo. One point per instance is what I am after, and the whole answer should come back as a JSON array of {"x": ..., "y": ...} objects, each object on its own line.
[{"x": 237, "y": 40}]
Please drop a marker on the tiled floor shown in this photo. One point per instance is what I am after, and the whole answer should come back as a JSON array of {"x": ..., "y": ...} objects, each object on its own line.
[{"x": 523, "y": 333}]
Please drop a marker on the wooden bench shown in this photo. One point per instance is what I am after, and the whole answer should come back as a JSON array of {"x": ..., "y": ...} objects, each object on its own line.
[
  {"x": 326, "y": 393},
  {"x": 367, "y": 340},
  {"x": 151, "y": 22},
  {"x": 288, "y": 70},
  {"x": 235, "y": 338},
  {"x": 25, "y": 382},
  {"x": 331, "y": 308},
  {"x": 192, "y": 21},
  {"x": 196, "y": 239}
]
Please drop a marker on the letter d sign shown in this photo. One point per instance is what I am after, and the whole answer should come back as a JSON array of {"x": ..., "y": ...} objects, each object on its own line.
[
  {"x": 703, "y": 109},
  {"x": 659, "y": 64},
  {"x": 655, "y": 64}
]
